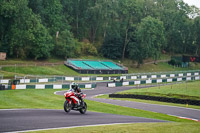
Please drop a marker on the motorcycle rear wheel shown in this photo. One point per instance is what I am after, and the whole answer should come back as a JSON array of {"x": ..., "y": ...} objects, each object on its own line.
[
  {"x": 67, "y": 106},
  {"x": 84, "y": 108}
]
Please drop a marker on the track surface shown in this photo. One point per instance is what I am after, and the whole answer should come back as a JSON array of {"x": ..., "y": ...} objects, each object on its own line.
[
  {"x": 171, "y": 110},
  {"x": 20, "y": 120},
  {"x": 33, "y": 119}
]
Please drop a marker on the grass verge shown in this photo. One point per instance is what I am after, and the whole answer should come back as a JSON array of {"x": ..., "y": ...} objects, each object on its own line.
[
  {"x": 151, "y": 102},
  {"x": 160, "y": 67},
  {"x": 41, "y": 70},
  {"x": 45, "y": 99},
  {"x": 186, "y": 90},
  {"x": 136, "y": 128},
  {"x": 21, "y": 61},
  {"x": 9, "y": 72}
]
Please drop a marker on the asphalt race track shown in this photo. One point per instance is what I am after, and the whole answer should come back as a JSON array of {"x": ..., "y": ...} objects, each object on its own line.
[
  {"x": 32, "y": 119},
  {"x": 170, "y": 110},
  {"x": 14, "y": 120}
]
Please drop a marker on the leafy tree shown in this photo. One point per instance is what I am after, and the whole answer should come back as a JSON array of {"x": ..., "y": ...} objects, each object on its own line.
[
  {"x": 24, "y": 34},
  {"x": 51, "y": 15},
  {"x": 7, "y": 12},
  {"x": 75, "y": 12},
  {"x": 149, "y": 40},
  {"x": 112, "y": 47},
  {"x": 174, "y": 15},
  {"x": 88, "y": 49},
  {"x": 196, "y": 40},
  {"x": 41, "y": 28},
  {"x": 129, "y": 14},
  {"x": 40, "y": 46},
  {"x": 137, "y": 52},
  {"x": 65, "y": 45}
]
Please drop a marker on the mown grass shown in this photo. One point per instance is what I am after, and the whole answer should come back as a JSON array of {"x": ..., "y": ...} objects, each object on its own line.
[
  {"x": 151, "y": 102},
  {"x": 93, "y": 58},
  {"x": 9, "y": 72},
  {"x": 185, "y": 90},
  {"x": 30, "y": 99},
  {"x": 41, "y": 70},
  {"x": 62, "y": 70},
  {"x": 24, "y": 61},
  {"x": 133, "y": 128},
  {"x": 7, "y": 75},
  {"x": 160, "y": 67},
  {"x": 45, "y": 99}
]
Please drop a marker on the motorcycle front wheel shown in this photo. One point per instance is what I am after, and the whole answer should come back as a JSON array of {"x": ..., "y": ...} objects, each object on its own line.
[
  {"x": 67, "y": 106},
  {"x": 84, "y": 108}
]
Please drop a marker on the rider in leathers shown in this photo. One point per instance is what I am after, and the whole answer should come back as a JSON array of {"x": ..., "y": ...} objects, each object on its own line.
[{"x": 77, "y": 92}]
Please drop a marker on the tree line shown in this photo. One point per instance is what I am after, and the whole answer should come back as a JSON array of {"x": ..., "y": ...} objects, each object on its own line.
[{"x": 116, "y": 29}]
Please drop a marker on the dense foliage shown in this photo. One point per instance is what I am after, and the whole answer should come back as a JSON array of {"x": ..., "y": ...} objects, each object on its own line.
[{"x": 135, "y": 29}]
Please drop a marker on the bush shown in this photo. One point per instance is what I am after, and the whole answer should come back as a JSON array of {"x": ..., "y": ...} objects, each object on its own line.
[
  {"x": 192, "y": 64},
  {"x": 174, "y": 62},
  {"x": 112, "y": 47},
  {"x": 88, "y": 49}
]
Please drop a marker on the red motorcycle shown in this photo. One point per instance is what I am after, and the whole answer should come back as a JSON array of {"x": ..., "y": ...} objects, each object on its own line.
[{"x": 72, "y": 104}]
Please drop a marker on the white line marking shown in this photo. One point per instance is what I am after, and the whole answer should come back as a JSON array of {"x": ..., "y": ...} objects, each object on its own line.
[
  {"x": 74, "y": 127},
  {"x": 25, "y": 109}
]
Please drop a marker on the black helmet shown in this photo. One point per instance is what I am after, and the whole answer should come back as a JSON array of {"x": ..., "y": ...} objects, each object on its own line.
[{"x": 74, "y": 85}]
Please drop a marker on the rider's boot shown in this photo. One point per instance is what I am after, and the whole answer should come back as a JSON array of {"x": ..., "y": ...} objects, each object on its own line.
[
  {"x": 81, "y": 102},
  {"x": 76, "y": 105}
]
